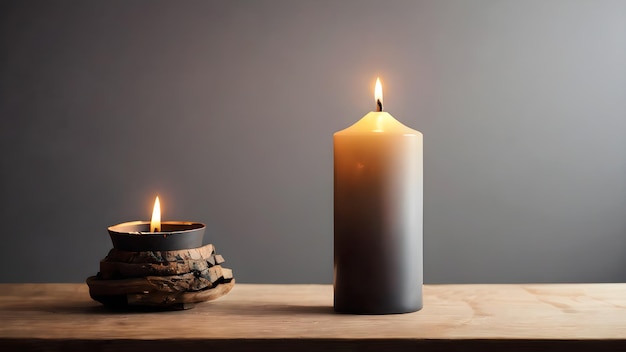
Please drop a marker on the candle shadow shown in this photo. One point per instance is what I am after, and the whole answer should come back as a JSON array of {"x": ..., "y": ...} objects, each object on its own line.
[
  {"x": 247, "y": 309},
  {"x": 280, "y": 309}
]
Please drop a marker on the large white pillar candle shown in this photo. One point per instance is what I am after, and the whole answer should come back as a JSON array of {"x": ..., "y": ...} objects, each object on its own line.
[{"x": 378, "y": 211}]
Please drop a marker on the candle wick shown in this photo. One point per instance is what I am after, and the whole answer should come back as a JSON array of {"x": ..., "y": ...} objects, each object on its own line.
[{"x": 379, "y": 105}]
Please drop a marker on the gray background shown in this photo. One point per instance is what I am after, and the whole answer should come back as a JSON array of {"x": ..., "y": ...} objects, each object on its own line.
[{"x": 226, "y": 109}]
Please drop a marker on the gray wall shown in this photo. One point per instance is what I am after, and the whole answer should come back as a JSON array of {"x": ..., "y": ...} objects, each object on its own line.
[{"x": 227, "y": 108}]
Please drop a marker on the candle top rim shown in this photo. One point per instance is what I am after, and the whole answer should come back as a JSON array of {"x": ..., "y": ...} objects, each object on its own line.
[
  {"x": 378, "y": 123},
  {"x": 185, "y": 226}
]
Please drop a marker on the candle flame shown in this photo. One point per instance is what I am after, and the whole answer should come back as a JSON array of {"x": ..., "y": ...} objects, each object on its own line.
[
  {"x": 155, "y": 223},
  {"x": 378, "y": 95}
]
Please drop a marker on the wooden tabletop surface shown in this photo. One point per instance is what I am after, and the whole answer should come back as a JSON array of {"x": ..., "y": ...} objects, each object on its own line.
[{"x": 488, "y": 317}]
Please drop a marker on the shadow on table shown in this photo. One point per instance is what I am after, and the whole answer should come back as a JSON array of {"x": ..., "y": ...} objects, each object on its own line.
[{"x": 272, "y": 309}]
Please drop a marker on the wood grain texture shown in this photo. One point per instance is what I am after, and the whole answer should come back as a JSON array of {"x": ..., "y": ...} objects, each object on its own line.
[
  {"x": 288, "y": 317},
  {"x": 116, "y": 255},
  {"x": 112, "y": 270},
  {"x": 158, "y": 299},
  {"x": 160, "y": 279}
]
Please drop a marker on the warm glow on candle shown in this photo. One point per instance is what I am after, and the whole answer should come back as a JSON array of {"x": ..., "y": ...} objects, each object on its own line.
[
  {"x": 378, "y": 203},
  {"x": 155, "y": 223},
  {"x": 378, "y": 95}
]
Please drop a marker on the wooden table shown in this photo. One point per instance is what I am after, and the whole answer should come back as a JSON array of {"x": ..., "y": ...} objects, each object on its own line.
[{"x": 300, "y": 318}]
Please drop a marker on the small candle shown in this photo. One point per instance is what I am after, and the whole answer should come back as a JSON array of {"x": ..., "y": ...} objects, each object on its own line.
[
  {"x": 157, "y": 235},
  {"x": 378, "y": 215}
]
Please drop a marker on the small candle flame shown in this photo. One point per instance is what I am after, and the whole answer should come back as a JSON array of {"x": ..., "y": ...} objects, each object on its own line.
[
  {"x": 155, "y": 223},
  {"x": 378, "y": 95}
]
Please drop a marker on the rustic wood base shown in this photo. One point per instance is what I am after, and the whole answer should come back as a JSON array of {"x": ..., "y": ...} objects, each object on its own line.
[
  {"x": 155, "y": 300},
  {"x": 160, "y": 279}
]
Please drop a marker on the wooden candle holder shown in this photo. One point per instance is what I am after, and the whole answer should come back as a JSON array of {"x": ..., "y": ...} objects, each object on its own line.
[{"x": 173, "y": 280}]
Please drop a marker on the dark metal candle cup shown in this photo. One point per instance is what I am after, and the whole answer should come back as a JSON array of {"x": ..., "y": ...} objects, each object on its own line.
[{"x": 174, "y": 235}]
